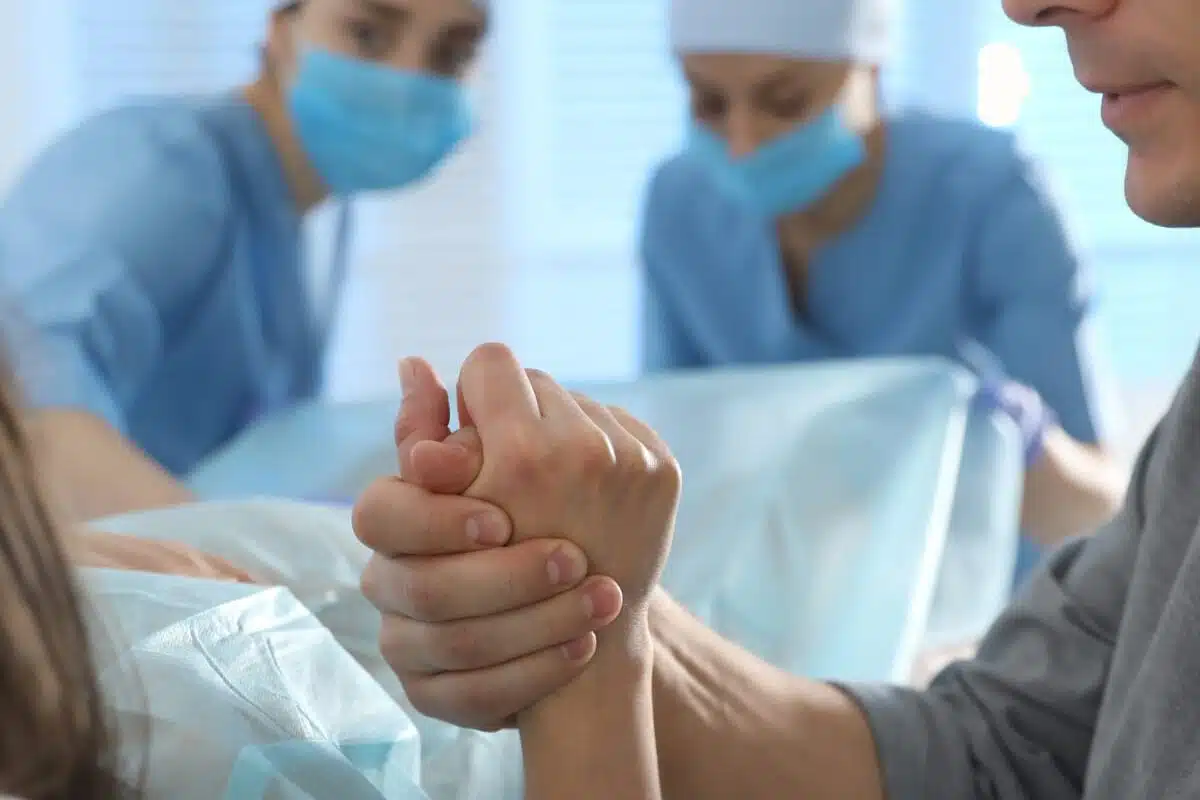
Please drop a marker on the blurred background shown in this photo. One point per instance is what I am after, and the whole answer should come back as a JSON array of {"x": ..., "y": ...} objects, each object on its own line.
[{"x": 529, "y": 238}]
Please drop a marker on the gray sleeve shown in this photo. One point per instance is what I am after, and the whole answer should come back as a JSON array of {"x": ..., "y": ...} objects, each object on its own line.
[{"x": 1017, "y": 721}]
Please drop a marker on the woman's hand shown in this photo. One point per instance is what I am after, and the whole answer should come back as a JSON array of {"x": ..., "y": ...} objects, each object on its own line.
[{"x": 562, "y": 465}]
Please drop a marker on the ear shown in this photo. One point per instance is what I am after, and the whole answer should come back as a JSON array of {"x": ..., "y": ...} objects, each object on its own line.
[{"x": 861, "y": 96}]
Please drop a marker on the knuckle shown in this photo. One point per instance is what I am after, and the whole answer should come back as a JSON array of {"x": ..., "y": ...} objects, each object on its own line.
[
  {"x": 394, "y": 645},
  {"x": 592, "y": 452},
  {"x": 418, "y": 596},
  {"x": 403, "y": 426},
  {"x": 360, "y": 520},
  {"x": 668, "y": 473},
  {"x": 365, "y": 517},
  {"x": 455, "y": 648},
  {"x": 425, "y": 699},
  {"x": 526, "y": 455},
  {"x": 540, "y": 377},
  {"x": 582, "y": 399},
  {"x": 371, "y": 583},
  {"x": 483, "y": 703}
]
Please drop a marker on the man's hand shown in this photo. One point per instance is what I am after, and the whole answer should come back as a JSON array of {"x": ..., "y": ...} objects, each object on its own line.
[
  {"x": 477, "y": 631},
  {"x": 561, "y": 464},
  {"x": 115, "y": 551}
]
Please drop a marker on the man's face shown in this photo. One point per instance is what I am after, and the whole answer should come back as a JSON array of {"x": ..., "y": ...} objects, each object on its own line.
[
  {"x": 1143, "y": 58},
  {"x": 440, "y": 37}
]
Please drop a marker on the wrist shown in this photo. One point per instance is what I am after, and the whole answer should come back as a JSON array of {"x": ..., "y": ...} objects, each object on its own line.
[
  {"x": 616, "y": 683},
  {"x": 626, "y": 644},
  {"x": 1025, "y": 408},
  {"x": 595, "y": 737}
]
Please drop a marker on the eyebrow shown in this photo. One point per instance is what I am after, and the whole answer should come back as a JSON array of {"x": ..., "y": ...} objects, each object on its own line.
[
  {"x": 699, "y": 83},
  {"x": 386, "y": 10},
  {"x": 472, "y": 28},
  {"x": 776, "y": 80},
  {"x": 469, "y": 31}
]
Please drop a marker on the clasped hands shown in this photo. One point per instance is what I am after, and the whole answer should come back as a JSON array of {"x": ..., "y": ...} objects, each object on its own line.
[{"x": 513, "y": 554}]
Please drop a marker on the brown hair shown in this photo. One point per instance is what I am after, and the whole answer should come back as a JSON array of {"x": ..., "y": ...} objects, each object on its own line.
[{"x": 55, "y": 742}]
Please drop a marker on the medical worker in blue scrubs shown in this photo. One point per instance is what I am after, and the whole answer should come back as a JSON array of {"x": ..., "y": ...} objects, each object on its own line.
[
  {"x": 801, "y": 224},
  {"x": 155, "y": 251}
]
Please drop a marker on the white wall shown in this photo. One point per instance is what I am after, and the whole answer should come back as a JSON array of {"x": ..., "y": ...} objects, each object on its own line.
[
  {"x": 529, "y": 236},
  {"x": 37, "y": 78},
  {"x": 431, "y": 270}
]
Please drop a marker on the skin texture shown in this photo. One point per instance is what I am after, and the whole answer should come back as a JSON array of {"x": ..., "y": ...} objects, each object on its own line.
[
  {"x": 540, "y": 620},
  {"x": 1117, "y": 45},
  {"x": 95, "y": 470},
  {"x": 560, "y": 464},
  {"x": 728, "y": 725}
]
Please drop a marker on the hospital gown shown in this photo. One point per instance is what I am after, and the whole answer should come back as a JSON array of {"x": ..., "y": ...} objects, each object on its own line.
[
  {"x": 962, "y": 242},
  {"x": 155, "y": 254}
]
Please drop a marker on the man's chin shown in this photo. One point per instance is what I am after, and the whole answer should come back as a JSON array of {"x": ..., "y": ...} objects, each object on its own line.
[{"x": 1169, "y": 202}]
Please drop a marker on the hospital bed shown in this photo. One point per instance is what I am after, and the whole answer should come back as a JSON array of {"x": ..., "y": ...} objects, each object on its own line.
[{"x": 822, "y": 507}]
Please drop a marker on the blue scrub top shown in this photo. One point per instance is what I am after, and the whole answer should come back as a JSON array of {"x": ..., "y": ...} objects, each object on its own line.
[
  {"x": 962, "y": 241},
  {"x": 156, "y": 253}
]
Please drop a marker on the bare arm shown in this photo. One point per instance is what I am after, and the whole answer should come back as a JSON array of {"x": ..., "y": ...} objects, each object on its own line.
[
  {"x": 1016, "y": 721},
  {"x": 1071, "y": 491},
  {"x": 594, "y": 739},
  {"x": 730, "y": 725},
  {"x": 95, "y": 471}
]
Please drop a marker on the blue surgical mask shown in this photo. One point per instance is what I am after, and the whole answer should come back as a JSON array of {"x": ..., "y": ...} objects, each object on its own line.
[
  {"x": 369, "y": 127},
  {"x": 787, "y": 174}
]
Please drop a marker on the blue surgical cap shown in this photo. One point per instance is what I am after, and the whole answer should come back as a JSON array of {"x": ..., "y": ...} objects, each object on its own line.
[{"x": 834, "y": 30}]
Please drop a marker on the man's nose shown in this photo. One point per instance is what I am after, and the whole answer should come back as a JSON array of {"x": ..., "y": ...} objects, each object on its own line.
[{"x": 1044, "y": 13}]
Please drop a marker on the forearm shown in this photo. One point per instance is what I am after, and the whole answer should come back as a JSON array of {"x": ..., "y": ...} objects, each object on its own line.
[
  {"x": 1072, "y": 490},
  {"x": 729, "y": 725},
  {"x": 595, "y": 737},
  {"x": 94, "y": 471}
]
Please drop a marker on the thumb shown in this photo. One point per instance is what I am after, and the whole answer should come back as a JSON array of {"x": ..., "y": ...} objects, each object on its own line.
[
  {"x": 424, "y": 412},
  {"x": 448, "y": 467}
]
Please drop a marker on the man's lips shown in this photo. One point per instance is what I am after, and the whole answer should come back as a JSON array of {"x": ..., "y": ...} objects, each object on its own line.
[{"x": 1123, "y": 105}]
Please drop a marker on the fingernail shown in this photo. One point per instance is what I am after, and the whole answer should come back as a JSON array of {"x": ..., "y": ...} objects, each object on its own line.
[
  {"x": 407, "y": 377},
  {"x": 577, "y": 650},
  {"x": 563, "y": 568},
  {"x": 600, "y": 602},
  {"x": 488, "y": 530}
]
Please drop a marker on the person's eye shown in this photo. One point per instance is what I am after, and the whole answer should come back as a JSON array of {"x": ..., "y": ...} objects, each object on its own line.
[
  {"x": 452, "y": 58},
  {"x": 708, "y": 106},
  {"x": 788, "y": 106},
  {"x": 371, "y": 40}
]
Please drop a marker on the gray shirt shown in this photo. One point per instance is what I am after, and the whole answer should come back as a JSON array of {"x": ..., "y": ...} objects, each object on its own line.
[{"x": 1089, "y": 686}]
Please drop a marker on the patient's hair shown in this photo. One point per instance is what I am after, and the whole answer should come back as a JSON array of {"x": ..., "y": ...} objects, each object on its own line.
[{"x": 55, "y": 742}]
